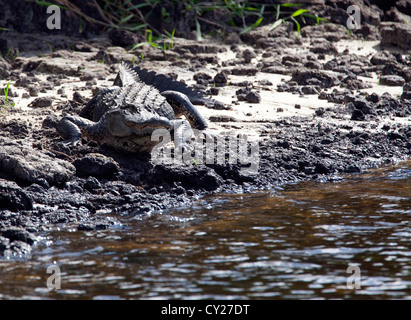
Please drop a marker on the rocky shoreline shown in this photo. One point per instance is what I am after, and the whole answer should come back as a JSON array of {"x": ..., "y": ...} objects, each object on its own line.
[{"x": 346, "y": 126}]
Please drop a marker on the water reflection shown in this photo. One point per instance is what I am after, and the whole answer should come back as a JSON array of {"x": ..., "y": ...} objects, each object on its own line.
[{"x": 294, "y": 243}]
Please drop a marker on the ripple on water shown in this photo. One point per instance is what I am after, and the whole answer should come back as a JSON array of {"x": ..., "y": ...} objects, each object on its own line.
[{"x": 296, "y": 242}]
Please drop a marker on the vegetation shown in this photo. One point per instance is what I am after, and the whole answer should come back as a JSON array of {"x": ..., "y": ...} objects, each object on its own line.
[
  {"x": 143, "y": 16},
  {"x": 6, "y": 103},
  {"x": 11, "y": 54}
]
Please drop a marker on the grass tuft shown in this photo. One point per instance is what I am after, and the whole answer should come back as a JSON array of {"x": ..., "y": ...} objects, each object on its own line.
[
  {"x": 137, "y": 16},
  {"x": 7, "y": 103}
]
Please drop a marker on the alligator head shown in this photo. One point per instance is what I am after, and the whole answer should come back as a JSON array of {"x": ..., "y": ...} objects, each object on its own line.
[
  {"x": 127, "y": 121},
  {"x": 131, "y": 130}
]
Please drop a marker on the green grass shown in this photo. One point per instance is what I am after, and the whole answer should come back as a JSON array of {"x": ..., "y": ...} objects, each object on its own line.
[
  {"x": 163, "y": 42},
  {"x": 11, "y": 54},
  {"x": 6, "y": 99},
  {"x": 136, "y": 16},
  {"x": 301, "y": 13}
]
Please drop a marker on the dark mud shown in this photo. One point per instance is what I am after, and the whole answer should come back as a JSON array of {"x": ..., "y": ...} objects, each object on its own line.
[{"x": 44, "y": 183}]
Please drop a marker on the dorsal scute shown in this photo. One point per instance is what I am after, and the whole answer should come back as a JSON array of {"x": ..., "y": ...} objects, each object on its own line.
[{"x": 126, "y": 75}]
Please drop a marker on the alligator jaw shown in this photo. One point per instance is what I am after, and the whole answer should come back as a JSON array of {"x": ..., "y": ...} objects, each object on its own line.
[{"x": 143, "y": 126}]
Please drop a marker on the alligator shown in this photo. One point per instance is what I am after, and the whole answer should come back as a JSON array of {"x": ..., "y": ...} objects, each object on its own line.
[{"x": 125, "y": 115}]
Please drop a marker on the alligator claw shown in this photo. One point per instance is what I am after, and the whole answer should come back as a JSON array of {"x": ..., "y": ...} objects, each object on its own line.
[
  {"x": 187, "y": 148},
  {"x": 72, "y": 142},
  {"x": 207, "y": 134}
]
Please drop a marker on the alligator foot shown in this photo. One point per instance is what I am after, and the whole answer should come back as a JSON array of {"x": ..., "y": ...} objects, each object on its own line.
[
  {"x": 69, "y": 128},
  {"x": 182, "y": 106},
  {"x": 73, "y": 142}
]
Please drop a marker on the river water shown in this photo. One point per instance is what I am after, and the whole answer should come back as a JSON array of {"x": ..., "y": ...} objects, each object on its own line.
[{"x": 349, "y": 239}]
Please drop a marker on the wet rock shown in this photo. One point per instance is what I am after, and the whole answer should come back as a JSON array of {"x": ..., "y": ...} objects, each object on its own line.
[
  {"x": 22, "y": 162},
  {"x": 178, "y": 190},
  {"x": 98, "y": 224},
  {"x": 395, "y": 33},
  {"x": 198, "y": 177},
  {"x": 310, "y": 90},
  {"x": 4, "y": 244},
  {"x": 304, "y": 76},
  {"x": 383, "y": 57},
  {"x": 199, "y": 48},
  {"x": 373, "y": 97},
  {"x": 57, "y": 65},
  {"x": 41, "y": 102},
  {"x": 357, "y": 115},
  {"x": 18, "y": 234},
  {"x": 105, "y": 57},
  {"x": 355, "y": 84},
  {"x": 264, "y": 83},
  {"x": 404, "y": 6},
  {"x": 33, "y": 91},
  {"x": 4, "y": 69},
  {"x": 392, "y": 80},
  {"x": 324, "y": 47},
  {"x": 73, "y": 187},
  {"x": 50, "y": 122},
  {"x": 265, "y": 37},
  {"x": 276, "y": 69},
  {"x": 13, "y": 198},
  {"x": 77, "y": 97},
  {"x": 320, "y": 111},
  {"x": 406, "y": 91},
  {"x": 363, "y": 105},
  {"x": 232, "y": 38},
  {"x": 202, "y": 78},
  {"x": 348, "y": 65},
  {"x": 248, "y": 54},
  {"x": 22, "y": 81},
  {"x": 213, "y": 91},
  {"x": 290, "y": 58},
  {"x": 389, "y": 106},
  {"x": 87, "y": 76},
  {"x": 217, "y": 105},
  {"x": 15, "y": 129},
  {"x": 396, "y": 69},
  {"x": 82, "y": 47},
  {"x": 396, "y": 16},
  {"x": 246, "y": 94},
  {"x": 93, "y": 185},
  {"x": 244, "y": 71},
  {"x": 279, "y": 42},
  {"x": 360, "y": 108},
  {"x": 253, "y": 97},
  {"x": 221, "y": 78},
  {"x": 95, "y": 164},
  {"x": 222, "y": 118},
  {"x": 19, "y": 248},
  {"x": 313, "y": 65},
  {"x": 124, "y": 38},
  {"x": 324, "y": 168},
  {"x": 329, "y": 31},
  {"x": 369, "y": 32}
]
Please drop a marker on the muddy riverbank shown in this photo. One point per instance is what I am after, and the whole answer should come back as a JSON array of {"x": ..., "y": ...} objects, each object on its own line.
[{"x": 320, "y": 105}]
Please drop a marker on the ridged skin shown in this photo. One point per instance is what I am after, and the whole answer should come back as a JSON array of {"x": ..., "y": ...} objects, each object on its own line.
[{"x": 125, "y": 115}]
